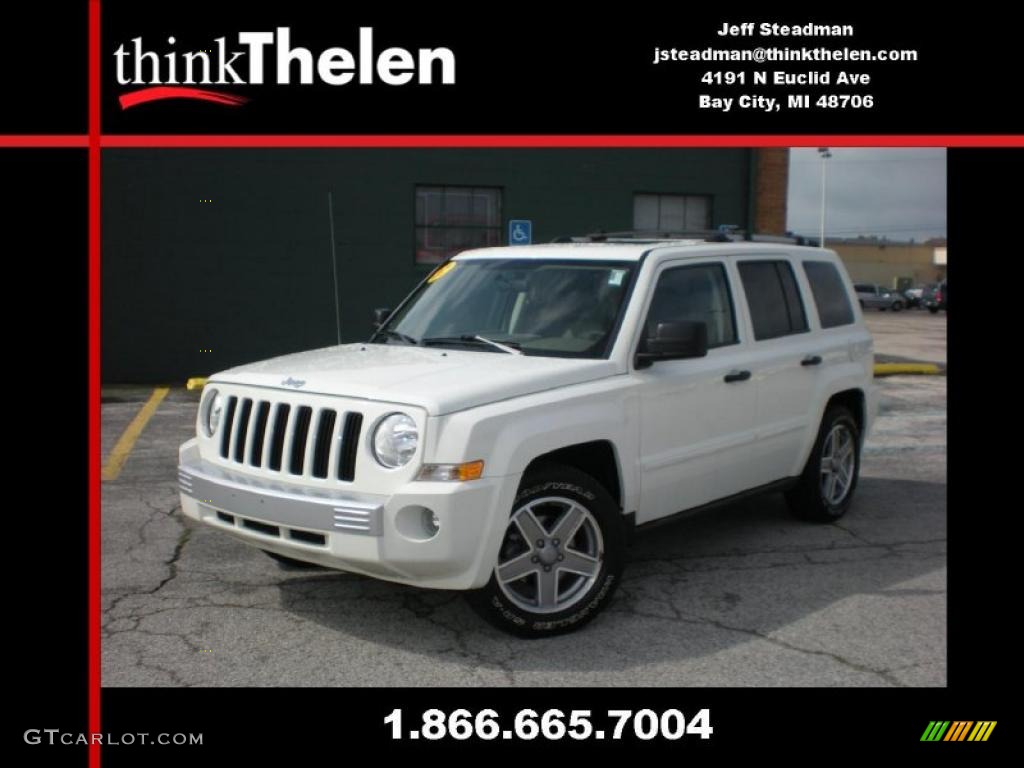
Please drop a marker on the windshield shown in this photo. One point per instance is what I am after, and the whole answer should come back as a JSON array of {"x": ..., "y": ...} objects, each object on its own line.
[{"x": 566, "y": 308}]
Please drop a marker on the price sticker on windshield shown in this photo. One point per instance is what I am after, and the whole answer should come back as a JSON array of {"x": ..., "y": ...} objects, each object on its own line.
[
  {"x": 615, "y": 276},
  {"x": 441, "y": 271}
]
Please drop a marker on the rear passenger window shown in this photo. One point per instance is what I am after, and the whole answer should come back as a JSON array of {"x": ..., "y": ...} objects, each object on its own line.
[
  {"x": 774, "y": 299},
  {"x": 830, "y": 295}
]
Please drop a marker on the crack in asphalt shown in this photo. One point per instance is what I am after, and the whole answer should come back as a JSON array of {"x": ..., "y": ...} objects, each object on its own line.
[
  {"x": 679, "y": 616},
  {"x": 172, "y": 564},
  {"x": 161, "y": 628}
]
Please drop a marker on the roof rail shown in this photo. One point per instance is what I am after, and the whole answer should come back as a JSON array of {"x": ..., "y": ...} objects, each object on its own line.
[{"x": 724, "y": 234}]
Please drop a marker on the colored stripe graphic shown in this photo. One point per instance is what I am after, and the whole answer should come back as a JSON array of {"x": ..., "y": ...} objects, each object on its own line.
[
  {"x": 159, "y": 92},
  {"x": 935, "y": 731},
  {"x": 982, "y": 730},
  {"x": 959, "y": 730}
]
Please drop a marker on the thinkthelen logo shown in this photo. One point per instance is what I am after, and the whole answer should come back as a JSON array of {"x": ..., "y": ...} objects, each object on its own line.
[{"x": 257, "y": 58}]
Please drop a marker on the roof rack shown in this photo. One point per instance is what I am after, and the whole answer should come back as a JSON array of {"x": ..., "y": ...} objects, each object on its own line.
[{"x": 724, "y": 234}]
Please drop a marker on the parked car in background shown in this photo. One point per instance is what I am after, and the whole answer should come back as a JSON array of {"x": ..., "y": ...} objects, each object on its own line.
[
  {"x": 937, "y": 300},
  {"x": 876, "y": 297},
  {"x": 915, "y": 296}
]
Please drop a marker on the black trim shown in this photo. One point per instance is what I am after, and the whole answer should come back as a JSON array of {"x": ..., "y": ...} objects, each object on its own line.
[
  {"x": 229, "y": 422},
  {"x": 773, "y": 487},
  {"x": 308, "y": 537},
  {"x": 277, "y": 437},
  {"x": 303, "y": 416},
  {"x": 349, "y": 446},
  {"x": 322, "y": 442},
  {"x": 243, "y": 429},
  {"x": 262, "y": 413},
  {"x": 267, "y": 530}
]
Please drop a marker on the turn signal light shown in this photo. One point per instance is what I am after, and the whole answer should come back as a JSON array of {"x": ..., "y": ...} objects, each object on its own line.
[{"x": 469, "y": 470}]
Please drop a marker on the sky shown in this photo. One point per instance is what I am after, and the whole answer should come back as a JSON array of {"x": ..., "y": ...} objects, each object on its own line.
[{"x": 896, "y": 193}]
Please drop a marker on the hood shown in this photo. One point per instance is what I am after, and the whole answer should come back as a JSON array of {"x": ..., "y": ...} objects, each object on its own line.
[{"x": 437, "y": 379}]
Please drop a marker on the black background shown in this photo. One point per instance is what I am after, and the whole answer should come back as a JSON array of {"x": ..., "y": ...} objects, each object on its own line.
[
  {"x": 551, "y": 76},
  {"x": 522, "y": 69}
]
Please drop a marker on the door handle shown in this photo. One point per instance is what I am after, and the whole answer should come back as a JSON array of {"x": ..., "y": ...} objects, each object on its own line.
[
  {"x": 811, "y": 360},
  {"x": 732, "y": 376}
]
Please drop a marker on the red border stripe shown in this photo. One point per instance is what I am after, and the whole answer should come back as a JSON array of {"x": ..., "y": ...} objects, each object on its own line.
[
  {"x": 556, "y": 141},
  {"x": 559, "y": 141},
  {"x": 14, "y": 140},
  {"x": 94, "y": 381}
]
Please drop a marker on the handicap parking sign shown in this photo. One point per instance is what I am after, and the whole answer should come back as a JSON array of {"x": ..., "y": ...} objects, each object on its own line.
[{"x": 520, "y": 232}]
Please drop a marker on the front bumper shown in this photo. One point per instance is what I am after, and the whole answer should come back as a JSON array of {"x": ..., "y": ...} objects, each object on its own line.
[{"x": 375, "y": 535}]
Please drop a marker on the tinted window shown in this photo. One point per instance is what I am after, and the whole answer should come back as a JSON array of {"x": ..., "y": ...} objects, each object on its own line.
[
  {"x": 794, "y": 304},
  {"x": 774, "y": 300},
  {"x": 861, "y": 288},
  {"x": 830, "y": 295},
  {"x": 698, "y": 293}
]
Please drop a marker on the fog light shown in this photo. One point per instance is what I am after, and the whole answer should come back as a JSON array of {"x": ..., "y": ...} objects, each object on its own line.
[
  {"x": 430, "y": 522},
  {"x": 469, "y": 470}
]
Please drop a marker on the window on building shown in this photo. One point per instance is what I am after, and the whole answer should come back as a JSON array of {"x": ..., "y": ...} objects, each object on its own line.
[
  {"x": 671, "y": 213},
  {"x": 452, "y": 219},
  {"x": 830, "y": 295},
  {"x": 699, "y": 293},
  {"x": 774, "y": 299}
]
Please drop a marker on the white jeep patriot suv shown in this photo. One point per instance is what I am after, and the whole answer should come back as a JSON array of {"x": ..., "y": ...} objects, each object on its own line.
[{"x": 511, "y": 422}]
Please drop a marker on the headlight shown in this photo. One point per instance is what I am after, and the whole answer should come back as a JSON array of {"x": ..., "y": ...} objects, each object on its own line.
[
  {"x": 213, "y": 409},
  {"x": 395, "y": 440}
]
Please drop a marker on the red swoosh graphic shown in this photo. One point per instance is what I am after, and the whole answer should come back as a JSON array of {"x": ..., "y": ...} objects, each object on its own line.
[{"x": 157, "y": 92}]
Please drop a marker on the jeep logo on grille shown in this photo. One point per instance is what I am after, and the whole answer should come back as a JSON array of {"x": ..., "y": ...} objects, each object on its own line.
[{"x": 290, "y": 382}]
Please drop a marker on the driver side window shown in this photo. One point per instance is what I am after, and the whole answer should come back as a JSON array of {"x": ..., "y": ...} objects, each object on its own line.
[{"x": 696, "y": 293}]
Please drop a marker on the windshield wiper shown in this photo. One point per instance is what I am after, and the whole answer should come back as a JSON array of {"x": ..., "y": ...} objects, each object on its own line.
[
  {"x": 511, "y": 347},
  {"x": 388, "y": 333}
]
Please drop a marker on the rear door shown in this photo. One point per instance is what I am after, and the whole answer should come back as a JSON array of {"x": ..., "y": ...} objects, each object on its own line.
[
  {"x": 697, "y": 415},
  {"x": 786, "y": 360}
]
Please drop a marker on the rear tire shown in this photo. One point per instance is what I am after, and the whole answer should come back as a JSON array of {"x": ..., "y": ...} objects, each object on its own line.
[
  {"x": 825, "y": 489},
  {"x": 561, "y": 556}
]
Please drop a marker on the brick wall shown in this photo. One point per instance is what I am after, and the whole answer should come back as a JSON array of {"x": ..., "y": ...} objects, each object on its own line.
[{"x": 771, "y": 188}]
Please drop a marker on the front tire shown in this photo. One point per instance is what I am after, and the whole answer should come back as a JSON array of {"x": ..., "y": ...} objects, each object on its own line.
[
  {"x": 825, "y": 489},
  {"x": 561, "y": 556}
]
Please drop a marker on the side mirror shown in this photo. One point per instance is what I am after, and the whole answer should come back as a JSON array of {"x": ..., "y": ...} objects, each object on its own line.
[
  {"x": 380, "y": 316},
  {"x": 674, "y": 341}
]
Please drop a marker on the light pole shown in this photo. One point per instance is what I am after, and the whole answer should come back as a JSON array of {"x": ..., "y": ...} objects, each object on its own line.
[{"x": 825, "y": 155}]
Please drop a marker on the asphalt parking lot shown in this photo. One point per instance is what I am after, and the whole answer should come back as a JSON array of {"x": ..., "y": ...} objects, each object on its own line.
[{"x": 745, "y": 596}]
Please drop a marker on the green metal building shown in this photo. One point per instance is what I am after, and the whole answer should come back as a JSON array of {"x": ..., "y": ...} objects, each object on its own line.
[{"x": 214, "y": 257}]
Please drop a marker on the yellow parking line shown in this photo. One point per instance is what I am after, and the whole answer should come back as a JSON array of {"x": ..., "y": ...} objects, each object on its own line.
[
  {"x": 126, "y": 442},
  {"x": 888, "y": 369},
  {"x": 195, "y": 383}
]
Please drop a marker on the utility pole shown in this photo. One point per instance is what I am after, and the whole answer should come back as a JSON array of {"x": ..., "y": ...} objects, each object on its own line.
[{"x": 825, "y": 155}]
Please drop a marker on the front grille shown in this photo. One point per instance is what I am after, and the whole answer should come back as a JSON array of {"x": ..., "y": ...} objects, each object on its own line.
[{"x": 300, "y": 440}]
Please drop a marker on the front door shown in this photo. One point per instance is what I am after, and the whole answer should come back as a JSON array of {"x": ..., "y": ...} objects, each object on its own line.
[{"x": 697, "y": 415}]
